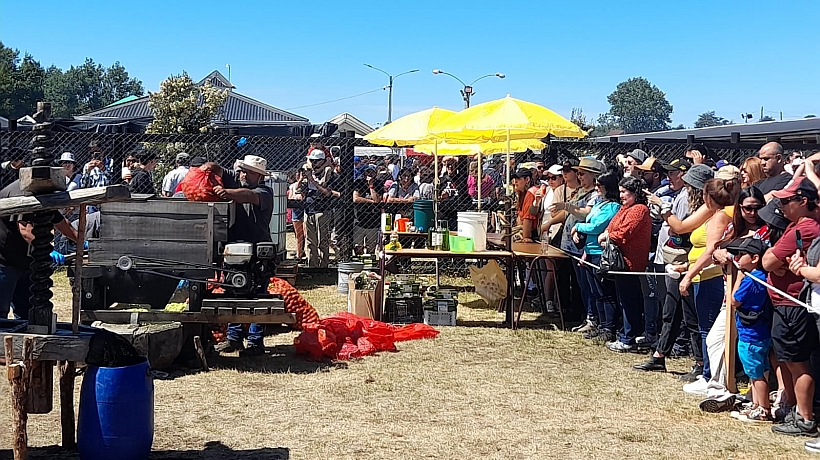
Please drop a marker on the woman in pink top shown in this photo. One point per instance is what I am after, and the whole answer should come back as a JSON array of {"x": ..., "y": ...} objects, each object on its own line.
[{"x": 487, "y": 183}]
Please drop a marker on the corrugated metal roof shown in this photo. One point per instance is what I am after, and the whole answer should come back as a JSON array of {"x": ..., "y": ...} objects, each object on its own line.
[
  {"x": 238, "y": 108},
  {"x": 790, "y": 129}
]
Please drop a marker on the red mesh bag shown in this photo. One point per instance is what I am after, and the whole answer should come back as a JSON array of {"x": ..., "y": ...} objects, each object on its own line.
[
  {"x": 198, "y": 185},
  {"x": 294, "y": 302}
]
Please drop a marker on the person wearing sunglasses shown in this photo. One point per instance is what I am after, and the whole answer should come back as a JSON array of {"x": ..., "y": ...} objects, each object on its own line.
[{"x": 794, "y": 330}]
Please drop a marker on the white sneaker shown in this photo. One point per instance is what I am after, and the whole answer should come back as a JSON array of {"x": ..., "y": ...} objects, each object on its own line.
[{"x": 698, "y": 387}]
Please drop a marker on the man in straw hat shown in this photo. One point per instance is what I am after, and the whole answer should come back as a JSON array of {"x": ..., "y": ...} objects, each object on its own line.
[{"x": 252, "y": 225}]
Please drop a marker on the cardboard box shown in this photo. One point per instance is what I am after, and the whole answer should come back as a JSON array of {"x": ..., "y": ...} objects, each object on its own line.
[
  {"x": 439, "y": 318},
  {"x": 359, "y": 302}
]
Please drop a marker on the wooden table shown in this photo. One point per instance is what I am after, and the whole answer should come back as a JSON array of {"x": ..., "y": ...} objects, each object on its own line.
[
  {"x": 505, "y": 256},
  {"x": 533, "y": 252}
]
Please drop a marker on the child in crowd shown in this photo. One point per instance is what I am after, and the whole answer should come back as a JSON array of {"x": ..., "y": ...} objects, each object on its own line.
[{"x": 751, "y": 300}]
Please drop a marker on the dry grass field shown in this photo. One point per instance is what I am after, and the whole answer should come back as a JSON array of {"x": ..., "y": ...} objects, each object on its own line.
[{"x": 476, "y": 391}]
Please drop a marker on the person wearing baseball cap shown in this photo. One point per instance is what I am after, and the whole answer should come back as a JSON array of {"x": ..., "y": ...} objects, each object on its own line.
[
  {"x": 794, "y": 332},
  {"x": 175, "y": 176},
  {"x": 652, "y": 172},
  {"x": 632, "y": 160}
]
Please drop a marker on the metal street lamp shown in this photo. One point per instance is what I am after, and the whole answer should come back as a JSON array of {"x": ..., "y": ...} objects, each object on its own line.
[
  {"x": 390, "y": 89},
  {"x": 467, "y": 90}
]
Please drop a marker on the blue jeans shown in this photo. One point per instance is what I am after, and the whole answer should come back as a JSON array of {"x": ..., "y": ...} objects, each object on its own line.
[
  {"x": 600, "y": 294},
  {"x": 630, "y": 300},
  {"x": 236, "y": 333},
  {"x": 14, "y": 292},
  {"x": 708, "y": 299},
  {"x": 586, "y": 292}
]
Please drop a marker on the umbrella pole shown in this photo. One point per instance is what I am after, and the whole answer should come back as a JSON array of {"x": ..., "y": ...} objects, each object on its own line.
[
  {"x": 478, "y": 179},
  {"x": 436, "y": 182}
]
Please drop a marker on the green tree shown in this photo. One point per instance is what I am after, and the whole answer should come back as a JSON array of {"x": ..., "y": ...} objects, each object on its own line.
[
  {"x": 183, "y": 107},
  {"x": 707, "y": 119},
  {"x": 604, "y": 125},
  {"x": 638, "y": 106},
  {"x": 580, "y": 120}
]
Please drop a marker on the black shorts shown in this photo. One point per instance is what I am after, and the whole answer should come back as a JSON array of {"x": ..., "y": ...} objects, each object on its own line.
[{"x": 794, "y": 334}]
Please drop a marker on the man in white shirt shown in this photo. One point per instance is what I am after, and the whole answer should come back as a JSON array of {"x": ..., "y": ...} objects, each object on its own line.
[{"x": 175, "y": 176}]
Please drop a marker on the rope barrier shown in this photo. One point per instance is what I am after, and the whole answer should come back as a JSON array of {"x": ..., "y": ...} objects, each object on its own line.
[
  {"x": 670, "y": 273},
  {"x": 760, "y": 281}
]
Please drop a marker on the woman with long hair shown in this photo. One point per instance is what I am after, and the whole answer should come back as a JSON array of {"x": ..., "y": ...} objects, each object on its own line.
[
  {"x": 296, "y": 192},
  {"x": 522, "y": 181},
  {"x": 745, "y": 222},
  {"x": 631, "y": 231},
  {"x": 751, "y": 171},
  {"x": 706, "y": 281},
  {"x": 600, "y": 294}
]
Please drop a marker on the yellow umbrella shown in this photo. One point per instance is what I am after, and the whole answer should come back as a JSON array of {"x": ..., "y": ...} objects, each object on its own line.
[
  {"x": 410, "y": 129},
  {"x": 505, "y": 119},
  {"x": 502, "y": 119},
  {"x": 446, "y": 148}
]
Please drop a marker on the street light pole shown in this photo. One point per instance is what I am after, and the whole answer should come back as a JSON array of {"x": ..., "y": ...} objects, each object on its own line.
[
  {"x": 467, "y": 90},
  {"x": 390, "y": 89}
]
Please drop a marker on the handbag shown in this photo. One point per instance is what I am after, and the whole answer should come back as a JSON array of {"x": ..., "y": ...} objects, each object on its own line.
[{"x": 612, "y": 260}]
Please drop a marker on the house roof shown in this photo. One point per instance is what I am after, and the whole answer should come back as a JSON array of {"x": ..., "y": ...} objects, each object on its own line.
[
  {"x": 361, "y": 128},
  {"x": 790, "y": 130},
  {"x": 238, "y": 108}
]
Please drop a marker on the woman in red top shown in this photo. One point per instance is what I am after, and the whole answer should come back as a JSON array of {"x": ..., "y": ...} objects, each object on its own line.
[{"x": 631, "y": 231}]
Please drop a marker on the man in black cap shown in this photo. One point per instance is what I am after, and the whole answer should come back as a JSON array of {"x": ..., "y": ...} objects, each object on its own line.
[
  {"x": 794, "y": 332},
  {"x": 10, "y": 168}
]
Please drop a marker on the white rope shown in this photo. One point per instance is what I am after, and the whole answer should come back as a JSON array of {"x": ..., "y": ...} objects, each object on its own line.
[
  {"x": 760, "y": 281},
  {"x": 670, "y": 273}
]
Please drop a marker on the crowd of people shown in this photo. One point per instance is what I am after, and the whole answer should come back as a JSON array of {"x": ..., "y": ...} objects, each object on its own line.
[{"x": 679, "y": 227}]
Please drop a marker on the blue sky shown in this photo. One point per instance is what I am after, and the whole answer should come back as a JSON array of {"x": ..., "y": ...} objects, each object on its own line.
[{"x": 727, "y": 56}]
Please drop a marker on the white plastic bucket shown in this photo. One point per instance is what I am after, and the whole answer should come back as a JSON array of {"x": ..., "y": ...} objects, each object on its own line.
[
  {"x": 345, "y": 270},
  {"x": 474, "y": 225}
]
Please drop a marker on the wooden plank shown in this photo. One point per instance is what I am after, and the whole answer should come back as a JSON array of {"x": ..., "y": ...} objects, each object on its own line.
[
  {"x": 77, "y": 288},
  {"x": 107, "y": 251},
  {"x": 53, "y": 347},
  {"x": 166, "y": 206},
  {"x": 224, "y": 311},
  {"x": 67, "y": 419},
  {"x": 182, "y": 227},
  {"x": 208, "y": 310},
  {"x": 243, "y": 310},
  {"x": 59, "y": 200},
  {"x": 244, "y": 303},
  {"x": 271, "y": 316}
]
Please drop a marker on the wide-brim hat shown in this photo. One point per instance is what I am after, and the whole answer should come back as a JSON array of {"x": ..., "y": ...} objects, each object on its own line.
[
  {"x": 773, "y": 215},
  {"x": 591, "y": 165},
  {"x": 698, "y": 175},
  {"x": 253, "y": 163}
]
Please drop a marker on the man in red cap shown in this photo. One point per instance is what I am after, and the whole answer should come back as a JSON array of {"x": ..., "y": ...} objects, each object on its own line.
[{"x": 794, "y": 332}]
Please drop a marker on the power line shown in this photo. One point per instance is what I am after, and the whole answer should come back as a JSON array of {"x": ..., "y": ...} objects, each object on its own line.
[{"x": 337, "y": 100}]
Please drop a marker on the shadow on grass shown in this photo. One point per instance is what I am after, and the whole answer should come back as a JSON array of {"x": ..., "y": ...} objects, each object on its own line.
[
  {"x": 279, "y": 359},
  {"x": 213, "y": 450}
]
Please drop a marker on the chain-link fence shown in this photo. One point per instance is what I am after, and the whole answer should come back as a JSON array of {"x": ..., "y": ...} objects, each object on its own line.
[{"x": 345, "y": 226}]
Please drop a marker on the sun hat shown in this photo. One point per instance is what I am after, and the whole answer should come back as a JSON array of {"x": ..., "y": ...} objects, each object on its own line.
[
  {"x": 592, "y": 165},
  {"x": 803, "y": 188},
  {"x": 698, "y": 175},
  {"x": 67, "y": 157},
  {"x": 253, "y": 163}
]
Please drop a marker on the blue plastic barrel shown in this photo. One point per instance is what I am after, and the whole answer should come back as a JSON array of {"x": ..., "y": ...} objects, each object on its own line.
[
  {"x": 423, "y": 215},
  {"x": 116, "y": 413}
]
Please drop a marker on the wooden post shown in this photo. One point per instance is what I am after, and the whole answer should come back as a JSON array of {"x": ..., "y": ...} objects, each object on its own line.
[
  {"x": 730, "y": 338},
  {"x": 77, "y": 288},
  {"x": 201, "y": 352},
  {"x": 18, "y": 375},
  {"x": 67, "y": 372},
  {"x": 40, "y": 386}
]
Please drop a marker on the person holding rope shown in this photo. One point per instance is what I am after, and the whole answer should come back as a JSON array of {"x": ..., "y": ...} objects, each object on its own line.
[
  {"x": 706, "y": 278},
  {"x": 670, "y": 252},
  {"x": 794, "y": 331},
  {"x": 631, "y": 231},
  {"x": 599, "y": 292},
  {"x": 575, "y": 207}
]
